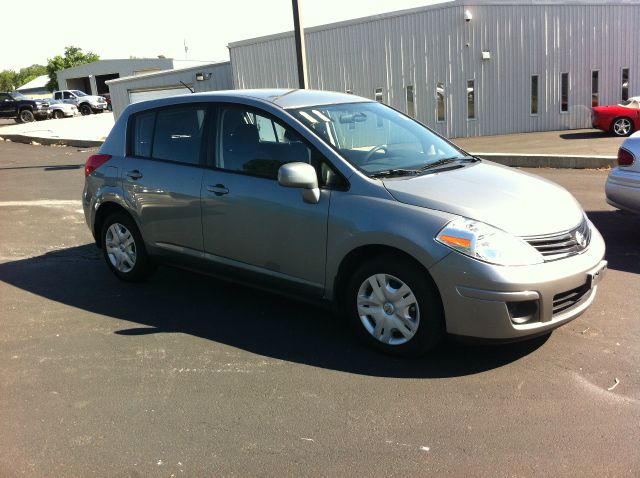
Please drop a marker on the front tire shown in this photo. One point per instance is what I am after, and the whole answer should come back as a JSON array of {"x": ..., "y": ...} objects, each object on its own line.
[
  {"x": 394, "y": 306},
  {"x": 85, "y": 109},
  {"x": 57, "y": 114},
  {"x": 26, "y": 116},
  {"x": 123, "y": 249},
  {"x": 621, "y": 127}
]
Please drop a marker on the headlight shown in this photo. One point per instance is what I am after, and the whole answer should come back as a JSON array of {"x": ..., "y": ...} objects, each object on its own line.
[{"x": 486, "y": 243}]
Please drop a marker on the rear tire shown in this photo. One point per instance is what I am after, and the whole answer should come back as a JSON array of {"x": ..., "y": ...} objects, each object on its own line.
[
  {"x": 394, "y": 306},
  {"x": 123, "y": 249},
  {"x": 622, "y": 127}
]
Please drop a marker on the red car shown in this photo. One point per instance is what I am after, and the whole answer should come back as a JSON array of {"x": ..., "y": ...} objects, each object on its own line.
[{"x": 620, "y": 120}]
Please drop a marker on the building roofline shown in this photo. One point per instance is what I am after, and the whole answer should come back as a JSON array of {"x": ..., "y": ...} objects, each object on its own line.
[
  {"x": 433, "y": 7},
  {"x": 165, "y": 72}
]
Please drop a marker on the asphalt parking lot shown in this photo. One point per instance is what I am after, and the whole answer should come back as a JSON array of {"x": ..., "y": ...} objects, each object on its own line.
[{"x": 189, "y": 376}]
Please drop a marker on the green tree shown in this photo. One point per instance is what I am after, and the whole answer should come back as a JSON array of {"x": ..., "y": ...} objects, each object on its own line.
[
  {"x": 73, "y": 56},
  {"x": 25, "y": 75},
  {"x": 8, "y": 81}
]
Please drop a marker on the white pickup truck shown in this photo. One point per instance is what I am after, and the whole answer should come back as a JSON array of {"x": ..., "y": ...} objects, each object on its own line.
[{"x": 86, "y": 104}]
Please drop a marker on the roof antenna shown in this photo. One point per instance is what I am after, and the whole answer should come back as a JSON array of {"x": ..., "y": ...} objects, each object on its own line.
[
  {"x": 188, "y": 87},
  {"x": 186, "y": 48}
]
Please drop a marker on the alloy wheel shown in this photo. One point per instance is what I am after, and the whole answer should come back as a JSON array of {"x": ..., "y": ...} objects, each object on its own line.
[{"x": 622, "y": 127}]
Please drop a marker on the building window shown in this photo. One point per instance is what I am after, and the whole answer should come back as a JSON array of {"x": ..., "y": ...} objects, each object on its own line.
[
  {"x": 625, "y": 84},
  {"x": 564, "y": 92},
  {"x": 411, "y": 106},
  {"x": 440, "y": 99},
  {"x": 379, "y": 95},
  {"x": 534, "y": 94},
  {"x": 595, "y": 93},
  {"x": 471, "y": 99}
]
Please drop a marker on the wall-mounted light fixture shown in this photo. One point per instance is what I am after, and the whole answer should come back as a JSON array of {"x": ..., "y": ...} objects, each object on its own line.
[
  {"x": 467, "y": 16},
  {"x": 202, "y": 76},
  {"x": 486, "y": 55}
]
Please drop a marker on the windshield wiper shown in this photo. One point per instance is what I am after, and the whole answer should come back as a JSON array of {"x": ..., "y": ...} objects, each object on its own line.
[
  {"x": 443, "y": 161},
  {"x": 389, "y": 173}
]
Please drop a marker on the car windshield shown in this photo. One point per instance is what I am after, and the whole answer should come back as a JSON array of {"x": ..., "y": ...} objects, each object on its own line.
[
  {"x": 17, "y": 96},
  {"x": 376, "y": 138},
  {"x": 79, "y": 93}
]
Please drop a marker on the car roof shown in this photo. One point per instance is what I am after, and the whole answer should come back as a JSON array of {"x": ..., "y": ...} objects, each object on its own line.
[{"x": 283, "y": 98}]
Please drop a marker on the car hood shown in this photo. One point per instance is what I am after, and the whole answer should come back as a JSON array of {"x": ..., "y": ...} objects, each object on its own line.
[{"x": 516, "y": 202}]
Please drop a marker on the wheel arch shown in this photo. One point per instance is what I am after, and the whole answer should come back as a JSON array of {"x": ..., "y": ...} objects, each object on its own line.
[
  {"x": 103, "y": 212},
  {"x": 358, "y": 256}
]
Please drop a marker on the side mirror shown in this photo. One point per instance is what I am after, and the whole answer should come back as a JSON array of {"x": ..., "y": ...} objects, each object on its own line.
[{"x": 303, "y": 176}]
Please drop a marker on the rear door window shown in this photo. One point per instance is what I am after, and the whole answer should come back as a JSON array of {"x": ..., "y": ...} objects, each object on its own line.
[
  {"x": 178, "y": 134},
  {"x": 171, "y": 134}
]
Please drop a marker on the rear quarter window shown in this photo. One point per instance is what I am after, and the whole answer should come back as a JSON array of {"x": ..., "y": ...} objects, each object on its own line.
[{"x": 142, "y": 132}]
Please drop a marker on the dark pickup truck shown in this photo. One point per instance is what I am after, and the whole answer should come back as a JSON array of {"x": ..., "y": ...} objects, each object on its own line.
[{"x": 22, "y": 109}]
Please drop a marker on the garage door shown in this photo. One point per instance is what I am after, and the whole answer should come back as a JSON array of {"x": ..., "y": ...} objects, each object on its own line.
[{"x": 135, "y": 96}]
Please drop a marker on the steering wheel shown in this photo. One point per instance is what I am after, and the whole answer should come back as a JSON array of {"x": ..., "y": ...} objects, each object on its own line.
[{"x": 380, "y": 147}]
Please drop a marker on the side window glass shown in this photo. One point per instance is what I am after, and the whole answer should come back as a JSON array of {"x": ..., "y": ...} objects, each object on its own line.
[
  {"x": 178, "y": 134},
  {"x": 67, "y": 95},
  {"x": 57, "y": 96},
  {"x": 254, "y": 144},
  {"x": 143, "y": 134}
]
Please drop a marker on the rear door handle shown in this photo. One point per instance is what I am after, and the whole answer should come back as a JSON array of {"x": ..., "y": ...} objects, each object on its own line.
[
  {"x": 135, "y": 174},
  {"x": 218, "y": 189}
]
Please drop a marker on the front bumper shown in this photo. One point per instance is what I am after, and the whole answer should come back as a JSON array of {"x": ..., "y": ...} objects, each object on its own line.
[{"x": 481, "y": 300}]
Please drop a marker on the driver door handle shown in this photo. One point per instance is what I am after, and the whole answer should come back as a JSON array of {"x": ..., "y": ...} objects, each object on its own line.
[
  {"x": 218, "y": 189},
  {"x": 135, "y": 174}
]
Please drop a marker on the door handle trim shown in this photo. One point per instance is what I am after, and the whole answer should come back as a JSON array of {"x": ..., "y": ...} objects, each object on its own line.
[
  {"x": 218, "y": 189},
  {"x": 135, "y": 174}
]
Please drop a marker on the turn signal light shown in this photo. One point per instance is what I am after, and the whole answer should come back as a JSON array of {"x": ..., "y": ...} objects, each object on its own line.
[
  {"x": 625, "y": 158},
  {"x": 456, "y": 241},
  {"x": 94, "y": 162}
]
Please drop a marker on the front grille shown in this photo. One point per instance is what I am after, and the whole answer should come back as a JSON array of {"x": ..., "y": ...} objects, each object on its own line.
[
  {"x": 566, "y": 300},
  {"x": 557, "y": 246}
]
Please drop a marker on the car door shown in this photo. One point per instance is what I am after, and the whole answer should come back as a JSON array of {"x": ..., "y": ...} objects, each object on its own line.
[
  {"x": 7, "y": 106},
  {"x": 248, "y": 219},
  {"x": 162, "y": 177}
]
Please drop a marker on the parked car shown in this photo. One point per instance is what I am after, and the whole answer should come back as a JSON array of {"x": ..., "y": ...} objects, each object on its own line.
[
  {"x": 85, "y": 103},
  {"x": 58, "y": 109},
  {"x": 107, "y": 98},
  {"x": 623, "y": 183},
  {"x": 345, "y": 200},
  {"x": 17, "y": 106},
  {"x": 620, "y": 120}
]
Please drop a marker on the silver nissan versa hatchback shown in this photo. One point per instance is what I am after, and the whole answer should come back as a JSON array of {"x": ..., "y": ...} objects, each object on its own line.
[{"x": 343, "y": 199}]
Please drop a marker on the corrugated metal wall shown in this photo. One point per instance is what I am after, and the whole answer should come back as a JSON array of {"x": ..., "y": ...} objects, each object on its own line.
[{"x": 431, "y": 45}]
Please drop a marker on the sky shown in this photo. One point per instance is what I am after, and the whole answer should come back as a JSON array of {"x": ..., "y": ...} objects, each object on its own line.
[{"x": 148, "y": 28}]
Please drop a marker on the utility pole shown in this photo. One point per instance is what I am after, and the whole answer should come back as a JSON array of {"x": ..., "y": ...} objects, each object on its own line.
[{"x": 301, "y": 53}]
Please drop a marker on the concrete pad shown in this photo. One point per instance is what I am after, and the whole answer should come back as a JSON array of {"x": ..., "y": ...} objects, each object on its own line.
[
  {"x": 568, "y": 143},
  {"x": 81, "y": 131}
]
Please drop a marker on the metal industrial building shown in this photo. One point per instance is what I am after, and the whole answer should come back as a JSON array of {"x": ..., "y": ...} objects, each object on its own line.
[
  {"x": 205, "y": 77},
  {"x": 468, "y": 68},
  {"x": 92, "y": 77}
]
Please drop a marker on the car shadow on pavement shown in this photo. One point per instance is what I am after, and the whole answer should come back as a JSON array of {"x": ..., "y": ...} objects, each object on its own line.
[
  {"x": 176, "y": 301},
  {"x": 621, "y": 233},
  {"x": 595, "y": 134}
]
